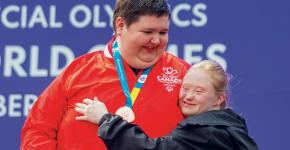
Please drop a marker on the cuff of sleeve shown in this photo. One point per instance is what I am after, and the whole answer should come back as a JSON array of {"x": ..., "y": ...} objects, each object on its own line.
[{"x": 105, "y": 117}]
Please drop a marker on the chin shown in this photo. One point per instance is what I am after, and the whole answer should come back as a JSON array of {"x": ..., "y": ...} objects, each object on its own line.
[
  {"x": 148, "y": 59},
  {"x": 146, "y": 64},
  {"x": 186, "y": 112},
  {"x": 142, "y": 65}
]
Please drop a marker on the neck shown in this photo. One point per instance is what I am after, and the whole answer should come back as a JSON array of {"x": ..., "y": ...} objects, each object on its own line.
[{"x": 136, "y": 71}]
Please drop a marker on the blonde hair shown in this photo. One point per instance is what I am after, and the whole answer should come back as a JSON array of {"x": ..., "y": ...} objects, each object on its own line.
[{"x": 220, "y": 79}]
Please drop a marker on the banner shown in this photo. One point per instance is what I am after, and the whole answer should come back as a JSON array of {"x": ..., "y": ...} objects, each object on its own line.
[{"x": 38, "y": 39}]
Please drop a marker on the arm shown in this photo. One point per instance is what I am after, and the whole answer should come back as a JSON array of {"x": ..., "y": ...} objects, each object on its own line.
[
  {"x": 117, "y": 133},
  {"x": 40, "y": 128}
]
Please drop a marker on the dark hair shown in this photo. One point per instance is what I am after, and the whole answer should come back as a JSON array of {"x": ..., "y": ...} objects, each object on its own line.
[{"x": 131, "y": 10}]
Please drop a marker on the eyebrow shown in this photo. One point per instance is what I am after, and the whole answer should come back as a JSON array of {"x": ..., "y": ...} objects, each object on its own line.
[
  {"x": 193, "y": 86},
  {"x": 153, "y": 29}
]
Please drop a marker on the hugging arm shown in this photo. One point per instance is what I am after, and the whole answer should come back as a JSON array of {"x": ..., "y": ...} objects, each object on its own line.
[{"x": 118, "y": 134}]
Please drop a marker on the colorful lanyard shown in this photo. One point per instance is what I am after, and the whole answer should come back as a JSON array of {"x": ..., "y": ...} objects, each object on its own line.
[{"x": 130, "y": 98}]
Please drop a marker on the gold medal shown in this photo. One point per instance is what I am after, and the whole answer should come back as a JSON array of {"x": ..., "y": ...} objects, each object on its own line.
[{"x": 126, "y": 113}]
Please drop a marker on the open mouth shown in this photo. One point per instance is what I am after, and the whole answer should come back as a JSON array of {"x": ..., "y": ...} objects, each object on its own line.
[{"x": 149, "y": 48}]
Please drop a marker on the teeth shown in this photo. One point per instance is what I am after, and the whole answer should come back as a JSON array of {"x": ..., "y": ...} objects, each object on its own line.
[{"x": 150, "y": 47}]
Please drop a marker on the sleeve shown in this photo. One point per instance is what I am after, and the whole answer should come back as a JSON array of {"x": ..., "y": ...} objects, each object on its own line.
[
  {"x": 40, "y": 128},
  {"x": 118, "y": 134}
]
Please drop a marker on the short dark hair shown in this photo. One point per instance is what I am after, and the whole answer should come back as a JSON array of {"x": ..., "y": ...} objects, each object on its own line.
[{"x": 131, "y": 10}]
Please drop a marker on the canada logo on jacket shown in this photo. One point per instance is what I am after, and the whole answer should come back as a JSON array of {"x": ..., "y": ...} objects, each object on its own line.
[{"x": 169, "y": 78}]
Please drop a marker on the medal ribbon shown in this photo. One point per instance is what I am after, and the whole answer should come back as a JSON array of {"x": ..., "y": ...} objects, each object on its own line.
[{"x": 130, "y": 98}]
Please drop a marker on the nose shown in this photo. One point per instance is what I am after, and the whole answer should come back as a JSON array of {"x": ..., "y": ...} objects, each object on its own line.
[
  {"x": 155, "y": 40},
  {"x": 189, "y": 96}
]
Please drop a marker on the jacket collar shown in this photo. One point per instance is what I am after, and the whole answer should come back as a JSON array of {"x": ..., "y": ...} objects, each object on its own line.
[{"x": 108, "y": 52}]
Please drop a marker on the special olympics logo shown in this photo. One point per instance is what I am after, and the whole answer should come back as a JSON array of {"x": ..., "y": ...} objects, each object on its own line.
[{"x": 142, "y": 78}]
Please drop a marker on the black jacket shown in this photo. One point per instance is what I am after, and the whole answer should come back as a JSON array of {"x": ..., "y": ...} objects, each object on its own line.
[{"x": 213, "y": 130}]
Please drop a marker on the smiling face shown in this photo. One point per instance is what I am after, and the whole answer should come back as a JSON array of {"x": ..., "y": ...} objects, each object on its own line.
[
  {"x": 197, "y": 94},
  {"x": 143, "y": 42}
]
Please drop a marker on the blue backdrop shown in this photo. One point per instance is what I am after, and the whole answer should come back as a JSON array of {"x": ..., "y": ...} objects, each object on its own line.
[{"x": 251, "y": 39}]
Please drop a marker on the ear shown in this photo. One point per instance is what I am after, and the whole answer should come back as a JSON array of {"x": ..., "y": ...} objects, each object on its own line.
[
  {"x": 221, "y": 99},
  {"x": 120, "y": 23}
]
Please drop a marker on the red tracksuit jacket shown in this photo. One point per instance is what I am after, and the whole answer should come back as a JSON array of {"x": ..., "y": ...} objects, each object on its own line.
[{"x": 51, "y": 123}]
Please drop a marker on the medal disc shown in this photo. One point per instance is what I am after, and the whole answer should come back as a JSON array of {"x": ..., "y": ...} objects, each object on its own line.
[{"x": 126, "y": 113}]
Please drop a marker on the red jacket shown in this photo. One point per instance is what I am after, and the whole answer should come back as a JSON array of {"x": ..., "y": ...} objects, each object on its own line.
[{"x": 51, "y": 123}]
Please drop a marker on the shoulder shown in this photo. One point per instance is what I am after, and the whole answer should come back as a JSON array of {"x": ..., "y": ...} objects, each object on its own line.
[
  {"x": 212, "y": 123},
  {"x": 169, "y": 61},
  {"x": 82, "y": 65},
  {"x": 223, "y": 117},
  {"x": 222, "y": 128},
  {"x": 201, "y": 136},
  {"x": 84, "y": 60},
  {"x": 174, "y": 59}
]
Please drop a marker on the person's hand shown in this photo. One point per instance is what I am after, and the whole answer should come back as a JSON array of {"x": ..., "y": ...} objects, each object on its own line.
[{"x": 92, "y": 110}]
